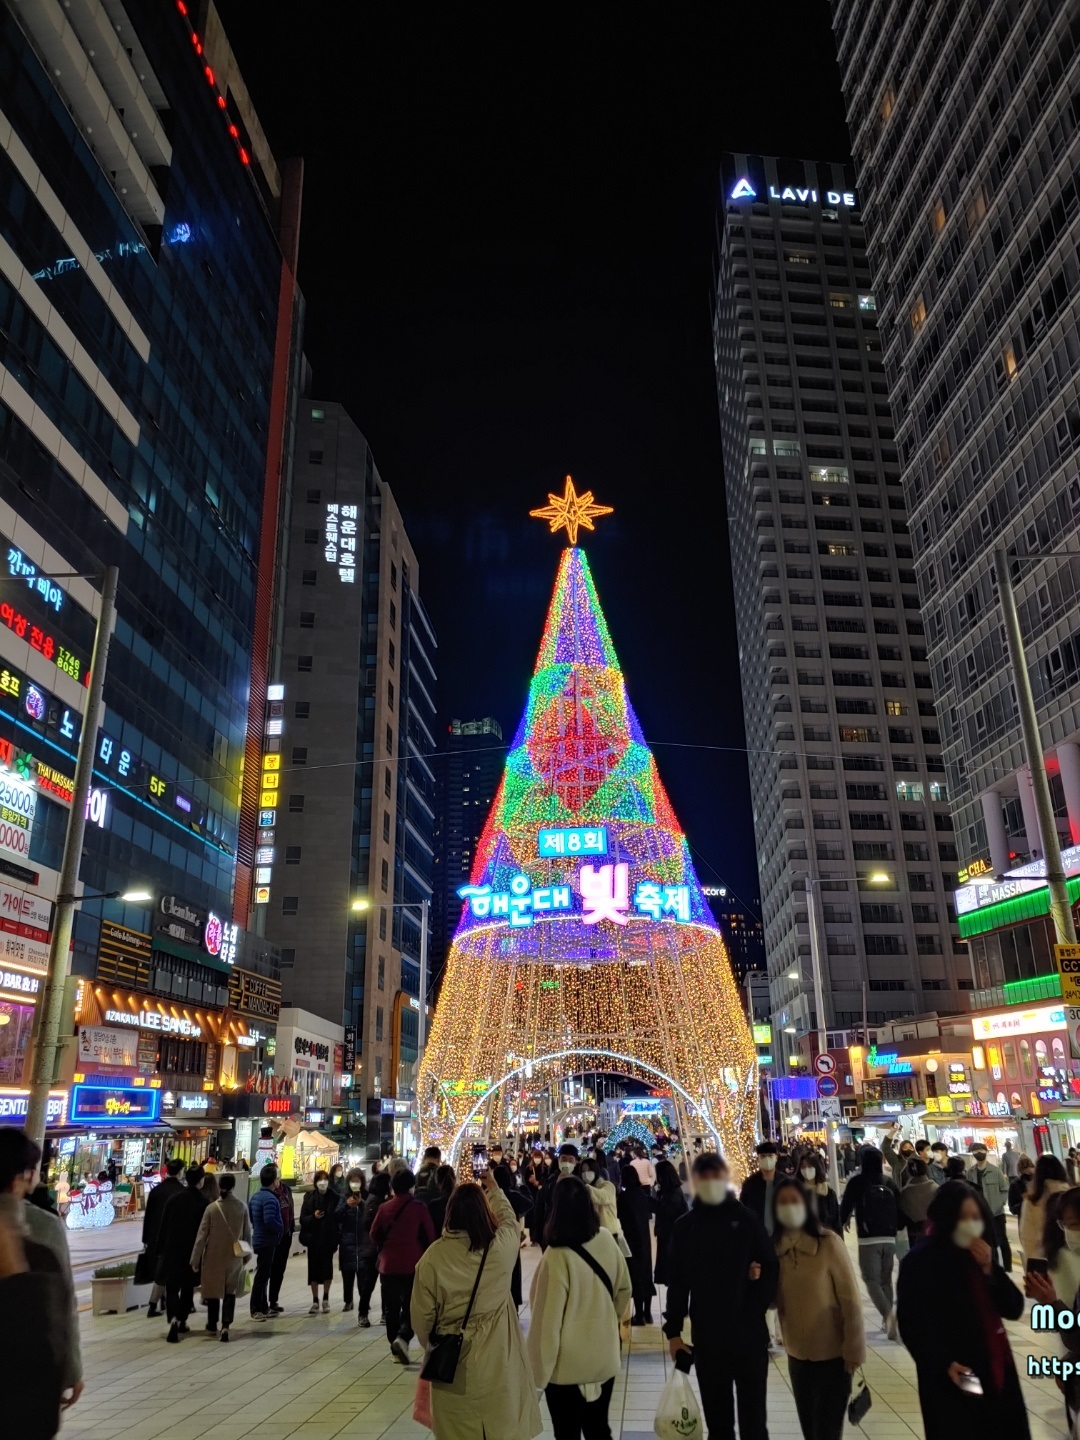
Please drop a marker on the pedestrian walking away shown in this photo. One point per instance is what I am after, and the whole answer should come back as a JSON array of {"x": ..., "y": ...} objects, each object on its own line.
[
  {"x": 319, "y": 1237},
  {"x": 669, "y": 1205},
  {"x": 222, "y": 1249},
  {"x": 467, "y": 1271},
  {"x": 951, "y": 1301},
  {"x": 580, "y": 1292},
  {"x": 176, "y": 1239},
  {"x": 445, "y": 1181},
  {"x": 723, "y": 1272},
  {"x": 356, "y": 1249},
  {"x": 284, "y": 1245},
  {"x": 150, "y": 1260},
  {"x": 401, "y": 1231},
  {"x": 915, "y": 1198},
  {"x": 634, "y": 1212},
  {"x": 267, "y": 1228},
  {"x": 873, "y": 1201},
  {"x": 820, "y": 1310}
]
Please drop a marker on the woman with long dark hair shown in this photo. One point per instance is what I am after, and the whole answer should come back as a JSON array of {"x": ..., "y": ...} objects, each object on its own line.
[
  {"x": 634, "y": 1211},
  {"x": 492, "y": 1392},
  {"x": 820, "y": 1195},
  {"x": 1049, "y": 1179},
  {"x": 521, "y": 1204},
  {"x": 951, "y": 1300},
  {"x": 580, "y": 1292},
  {"x": 669, "y": 1205},
  {"x": 820, "y": 1310}
]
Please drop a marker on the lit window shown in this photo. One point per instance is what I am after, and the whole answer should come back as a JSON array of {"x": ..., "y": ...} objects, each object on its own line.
[
  {"x": 938, "y": 216},
  {"x": 918, "y": 315},
  {"x": 830, "y": 475},
  {"x": 1008, "y": 361},
  {"x": 318, "y": 416},
  {"x": 895, "y": 707},
  {"x": 888, "y": 102},
  {"x": 867, "y": 301},
  {"x": 839, "y": 301}
]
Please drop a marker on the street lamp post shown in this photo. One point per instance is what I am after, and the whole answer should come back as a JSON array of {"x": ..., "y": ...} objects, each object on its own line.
[
  {"x": 425, "y": 913},
  {"x": 47, "y": 1015},
  {"x": 1060, "y": 909}
]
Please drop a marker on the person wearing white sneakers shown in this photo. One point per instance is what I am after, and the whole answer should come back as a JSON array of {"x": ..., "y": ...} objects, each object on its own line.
[
  {"x": 874, "y": 1201},
  {"x": 319, "y": 1237}
]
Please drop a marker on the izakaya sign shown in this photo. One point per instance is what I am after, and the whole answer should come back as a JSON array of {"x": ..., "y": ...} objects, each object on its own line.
[
  {"x": 155, "y": 1020},
  {"x": 604, "y": 893},
  {"x": 794, "y": 194}
]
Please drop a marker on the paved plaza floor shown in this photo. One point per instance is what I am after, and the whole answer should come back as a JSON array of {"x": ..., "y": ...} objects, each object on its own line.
[{"x": 318, "y": 1377}]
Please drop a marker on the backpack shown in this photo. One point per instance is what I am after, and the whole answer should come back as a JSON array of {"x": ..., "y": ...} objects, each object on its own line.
[{"x": 879, "y": 1215}]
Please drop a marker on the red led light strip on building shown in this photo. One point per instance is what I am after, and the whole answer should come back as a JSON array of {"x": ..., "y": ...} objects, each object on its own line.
[{"x": 245, "y": 158}]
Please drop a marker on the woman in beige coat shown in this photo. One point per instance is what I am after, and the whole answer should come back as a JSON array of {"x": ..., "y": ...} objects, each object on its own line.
[
  {"x": 1049, "y": 1180},
  {"x": 820, "y": 1310},
  {"x": 492, "y": 1396},
  {"x": 225, "y": 1223}
]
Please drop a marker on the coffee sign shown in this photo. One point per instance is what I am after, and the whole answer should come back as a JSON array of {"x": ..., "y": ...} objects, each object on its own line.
[{"x": 254, "y": 995}]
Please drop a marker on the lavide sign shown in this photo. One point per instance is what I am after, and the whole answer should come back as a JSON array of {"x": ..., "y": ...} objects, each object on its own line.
[{"x": 794, "y": 194}]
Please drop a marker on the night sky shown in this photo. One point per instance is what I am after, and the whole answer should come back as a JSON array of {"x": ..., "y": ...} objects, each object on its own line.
[{"x": 506, "y": 250}]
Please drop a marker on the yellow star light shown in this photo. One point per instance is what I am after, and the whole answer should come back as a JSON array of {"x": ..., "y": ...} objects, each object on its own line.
[{"x": 570, "y": 510}]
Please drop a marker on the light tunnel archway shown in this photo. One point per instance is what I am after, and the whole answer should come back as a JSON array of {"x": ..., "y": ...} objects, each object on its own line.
[{"x": 586, "y": 1054}]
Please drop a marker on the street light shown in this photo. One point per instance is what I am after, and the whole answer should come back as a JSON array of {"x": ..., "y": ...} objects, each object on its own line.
[{"x": 362, "y": 903}]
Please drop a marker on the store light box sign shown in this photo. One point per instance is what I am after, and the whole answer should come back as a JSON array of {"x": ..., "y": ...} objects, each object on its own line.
[
  {"x": 18, "y": 806},
  {"x": 604, "y": 891},
  {"x": 24, "y": 928},
  {"x": 19, "y": 985},
  {"x": 99, "y": 1045},
  {"x": 14, "y": 1106},
  {"x": 340, "y": 535},
  {"x": 103, "y": 1105},
  {"x": 554, "y": 844}
]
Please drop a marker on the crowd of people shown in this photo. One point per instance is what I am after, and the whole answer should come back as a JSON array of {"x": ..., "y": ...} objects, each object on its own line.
[{"x": 616, "y": 1230}]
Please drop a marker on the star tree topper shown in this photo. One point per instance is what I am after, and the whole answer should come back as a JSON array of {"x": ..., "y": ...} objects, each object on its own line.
[{"x": 569, "y": 511}]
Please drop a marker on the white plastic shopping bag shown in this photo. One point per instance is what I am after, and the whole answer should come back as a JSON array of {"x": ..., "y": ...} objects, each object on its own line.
[{"x": 678, "y": 1416}]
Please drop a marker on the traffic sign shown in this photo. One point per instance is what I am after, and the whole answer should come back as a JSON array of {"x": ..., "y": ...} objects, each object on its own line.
[
  {"x": 826, "y": 1085},
  {"x": 1067, "y": 958},
  {"x": 824, "y": 1063},
  {"x": 829, "y": 1109}
]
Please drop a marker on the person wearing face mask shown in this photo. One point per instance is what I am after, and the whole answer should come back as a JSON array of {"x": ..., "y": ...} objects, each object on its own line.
[
  {"x": 1019, "y": 1186},
  {"x": 939, "y": 1158},
  {"x": 821, "y": 1197},
  {"x": 565, "y": 1164},
  {"x": 1048, "y": 1179},
  {"x": 994, "y": 1188},
  {"x": 1060, "y": 1287},
  {"x": 319, "y": 1237},
  {"x": 757, "y": 1189},
  {"x": 602, "y": 1193},
  {"x": 723, "y": 1271},
  {"x": 873, "y": 1201},
  {"x": 951, "y": 1300},
  {"x": 402, "y": 1231},
  {"x": 337, "y": 1178},
  {"x": 820, "y": 1309},
  {"x": 897, "y": 1152},
  {"x": 356, "y": 1253}
]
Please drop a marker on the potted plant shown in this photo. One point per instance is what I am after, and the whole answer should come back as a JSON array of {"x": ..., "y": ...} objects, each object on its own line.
[{"x": 113, "y": 1289}]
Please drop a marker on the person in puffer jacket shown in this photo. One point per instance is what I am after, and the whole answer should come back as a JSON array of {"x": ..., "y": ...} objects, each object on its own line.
[
  {"x": 356, "y": 1249},
  {"x": 267, "y": 1228}
]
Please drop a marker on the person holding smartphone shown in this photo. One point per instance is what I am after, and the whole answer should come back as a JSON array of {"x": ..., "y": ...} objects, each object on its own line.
[{"x": 951, "y": 1300}]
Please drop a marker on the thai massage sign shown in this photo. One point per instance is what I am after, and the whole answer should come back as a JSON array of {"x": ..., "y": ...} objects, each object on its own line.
[{"x": 604, "y": 892}]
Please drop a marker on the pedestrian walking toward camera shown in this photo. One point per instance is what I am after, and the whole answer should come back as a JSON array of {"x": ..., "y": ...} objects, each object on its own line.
[
  {"x": 319, "y": 1237},
  {"x": 222, "y": 1248},
  {"x": 723, "y": 1275},
  {"x": 176, "y": 1240},
  {"x": 820, "y": 1310},
  {"x": 580, "y": 1292},
  {"x": 356, "y": 1250},
  {"x": 402, "y": 1231},
  {"x": 992, "y": 1185},
  {"x": 1049, "y": 1179},
  {"x": 267, "y": 1228},
  {"x": 466, "y": 1273},
  {"x": 952, "y": 1298},
  {"x": 873, "y": 1201},
  {"x": 820, "y": 1196},
  {"x": 757, "y": 1189}
]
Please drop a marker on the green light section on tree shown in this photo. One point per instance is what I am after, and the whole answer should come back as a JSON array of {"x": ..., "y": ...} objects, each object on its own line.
[{"x": 1013, "y": 912}]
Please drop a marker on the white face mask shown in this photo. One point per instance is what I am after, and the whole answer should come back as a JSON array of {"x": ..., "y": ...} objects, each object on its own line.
[
  {"x": 792, "y": 1216},
  {"x": 588, "y": 1176},
  {"x": 1072, "y": 1240},
  {"x": 767, "y": 1163},
  {"x": 354, "y": 1185},
  {"x": 712, "y": 1192},
  {"x": 566, "y": 1167},
  {"x": 966, "y": 1231},
  {"x": 320, "y": 1185},
  {"x": 809, "y": 1174}
]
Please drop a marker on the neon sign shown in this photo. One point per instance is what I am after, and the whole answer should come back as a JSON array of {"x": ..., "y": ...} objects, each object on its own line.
[
  {"x": 23, "y": 569},
  {"x": 794, "y": 194},
  {"x": 154, "y": 1020},
  {"x": 102, "y": 1105},
  {"x": 574, "y": 841},
  {"x": 604, "y": 891},
  {"x": 340, "y": 540}
]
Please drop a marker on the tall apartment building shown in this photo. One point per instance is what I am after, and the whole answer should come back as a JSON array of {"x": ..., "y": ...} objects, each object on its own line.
[
  {"x": 845, "y": 761},
  {"x": 469, "y": 770},
  {"x": 353, "y": 817},
  {"x": 147, "y": 311},
  {"x": 965, "y": 120}
]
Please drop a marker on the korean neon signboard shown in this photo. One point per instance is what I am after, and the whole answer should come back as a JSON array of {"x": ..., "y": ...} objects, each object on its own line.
[
  {"x": 108, "y": 1105},
  {"x": 577, "y": 840},
  {"x": 604, "y": 892}
]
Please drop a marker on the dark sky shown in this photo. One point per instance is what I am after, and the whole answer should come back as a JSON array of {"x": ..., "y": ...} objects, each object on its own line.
[{"x": 506, "y": 251}]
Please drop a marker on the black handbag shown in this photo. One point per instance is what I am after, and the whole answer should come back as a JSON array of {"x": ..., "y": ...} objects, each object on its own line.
[
  {"x": 444, "y": 1351},
  {"x": 860, "y": 1402}
]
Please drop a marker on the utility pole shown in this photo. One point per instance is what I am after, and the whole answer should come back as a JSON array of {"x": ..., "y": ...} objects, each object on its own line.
[
  {"x": 819, "y": 1006},
  {"x": 46, "y": 1033},
  {"x": 1060, "y": 909}
]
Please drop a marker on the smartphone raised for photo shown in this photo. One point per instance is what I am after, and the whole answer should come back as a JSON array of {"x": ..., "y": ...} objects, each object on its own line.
[
  {"x": 479, "y": 1160},
  {"x": 1036, "y": 1266}
]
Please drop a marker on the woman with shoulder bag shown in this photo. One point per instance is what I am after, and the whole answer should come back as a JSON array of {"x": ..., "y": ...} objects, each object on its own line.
[
  {"x": 463, "y": 1315},
  {"x": 222, "y": 1249},
  {"x": 580, "y": 1292}
]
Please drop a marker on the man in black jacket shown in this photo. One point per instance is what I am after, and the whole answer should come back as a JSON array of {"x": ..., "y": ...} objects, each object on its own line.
[
  {"x": 156, "y": 1201},
  {"x": 723, "y": 1272},
  {"x": 757, "y": 1189},
  {"x": 176, "y": 1240}
]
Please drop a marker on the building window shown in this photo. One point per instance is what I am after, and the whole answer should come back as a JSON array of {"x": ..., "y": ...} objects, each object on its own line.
[
  {"x": 292, "y": 854},
  {"x": 307, "y": 619},
  {"x": 909, "y": 790},
  {"x": 393, "y": 576},
  {"x": 788, "y": 449},
  {"x": 867, "y": 300},
  {"x": 830, "y": 475},
  {"x": 393, "y": 614},
  {"x": 918, "y": 315},
  {"x": 288, "y": 957},
  {"x": 938, "y": 217},
  {"x": 386, "y": 826},
  {"x": 382, "y": 973},
  {"x": 299, "y": 755},
  {"x": 302, "y": 710},
  {"x": 307, "y": 577},
  {"x": 888, "y": 101},
  {"x": 311, "y": 537},
  {"x": 290, "y": 904},
  {"x": 386, "y": 781},
  {"x": 391, "y": 654},
  {"x": 314, "y": 497},
  {"x": 315, "y": 457},
  {"x": 318, "y": 416},
  {"x": 378, "y": 1022},
  {"x": 304, "y": 662},
  {"x": 382, "y": 922},
  {"x": 384, "y": 876},
  {"x": 390, "y": 694},
  {"x": 389, "y": 739},
  {"x": 895, "y": 707},
  {"x": 296, "y": 804}
]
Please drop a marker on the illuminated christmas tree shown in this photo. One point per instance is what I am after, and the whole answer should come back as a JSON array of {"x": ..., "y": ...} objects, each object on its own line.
[{"x": 585, "y": 941}]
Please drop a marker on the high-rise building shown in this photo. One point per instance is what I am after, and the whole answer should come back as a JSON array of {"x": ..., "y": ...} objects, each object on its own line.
[
  {"x": 843, "y": 748},
  {"x": 351, "y": 735},
  {"x": 964, "y": 125},
  {"x": 147, "y": 313},
  {"x": 470, "y": 769}
]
